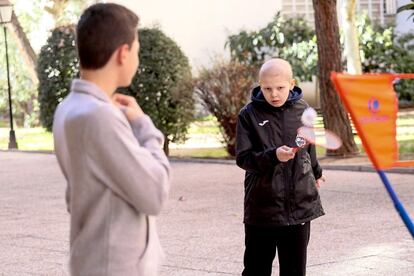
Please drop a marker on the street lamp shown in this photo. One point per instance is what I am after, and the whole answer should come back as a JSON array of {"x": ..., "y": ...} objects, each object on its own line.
[{"x": 6, "y": 10}]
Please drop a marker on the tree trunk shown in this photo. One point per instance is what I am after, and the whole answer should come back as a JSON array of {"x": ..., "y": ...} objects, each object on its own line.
[
  {"x": 329, "y": 59},
  {"x": 28, "y": 54},
  {"x": 230, "y": 136},
  {"x": 167, "y": 147},
  {"x": 353, "y": 60}
]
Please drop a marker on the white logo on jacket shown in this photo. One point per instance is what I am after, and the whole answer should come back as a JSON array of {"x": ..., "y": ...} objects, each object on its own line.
[{"x": 263, "y": 123}]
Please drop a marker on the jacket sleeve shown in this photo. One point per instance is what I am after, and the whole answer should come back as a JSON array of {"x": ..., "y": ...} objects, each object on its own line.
[
  {"x": 247, "y": 158},
  {"x": 130, "y": 163},
  {"x": 317, "y": 170}
]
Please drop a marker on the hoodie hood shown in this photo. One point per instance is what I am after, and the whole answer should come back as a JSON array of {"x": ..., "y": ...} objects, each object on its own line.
[{"x": 258, "y": 98}]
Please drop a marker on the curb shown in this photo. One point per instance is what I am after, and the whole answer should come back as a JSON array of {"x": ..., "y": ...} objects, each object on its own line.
[
  {"x": 366, "y": 168},
  {"x": 354, "y": 168},
  {"x": 202, "y": 160},
  {"x": 30, "y": 151}
]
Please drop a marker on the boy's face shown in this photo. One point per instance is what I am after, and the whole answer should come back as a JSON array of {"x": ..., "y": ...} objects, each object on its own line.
[
  {"x": 131, "y": 63},
  {"x": 276, "y": 88}
]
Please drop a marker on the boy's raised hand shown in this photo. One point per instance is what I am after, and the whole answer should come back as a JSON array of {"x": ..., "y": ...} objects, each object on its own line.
[
  {"x": 319, "y": 181},
  {"x": 284, "y": 153},
  {"x": 129, "y": 105}
]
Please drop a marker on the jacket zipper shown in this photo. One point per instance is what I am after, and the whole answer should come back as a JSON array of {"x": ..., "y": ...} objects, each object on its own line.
[{"x": 285, "y": 172}]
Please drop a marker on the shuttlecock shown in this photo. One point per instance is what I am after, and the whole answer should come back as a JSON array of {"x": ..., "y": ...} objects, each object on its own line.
[{"x": 309, "y": 117}]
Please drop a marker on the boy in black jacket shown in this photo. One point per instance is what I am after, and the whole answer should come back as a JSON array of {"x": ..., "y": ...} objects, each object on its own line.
[{"x": 281, "y": 195}]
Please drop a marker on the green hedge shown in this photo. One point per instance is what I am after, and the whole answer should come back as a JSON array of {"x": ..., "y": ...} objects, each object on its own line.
[
  {"x": 163, "y": 86},
  {"x": 57, "y": 66}
]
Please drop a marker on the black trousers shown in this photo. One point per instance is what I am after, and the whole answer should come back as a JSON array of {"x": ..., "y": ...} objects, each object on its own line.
[{"x": 261, "y": 243}]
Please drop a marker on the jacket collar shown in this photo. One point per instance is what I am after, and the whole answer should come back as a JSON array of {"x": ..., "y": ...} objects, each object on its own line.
[{"x": 87, "y": 87}]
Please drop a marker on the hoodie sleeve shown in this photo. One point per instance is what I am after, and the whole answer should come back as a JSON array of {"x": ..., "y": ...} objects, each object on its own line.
[
  {"x": 317, "y": 170},
  {"x": 247, "y": 158}
]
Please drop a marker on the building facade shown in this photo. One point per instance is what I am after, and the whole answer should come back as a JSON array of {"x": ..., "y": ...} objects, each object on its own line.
[{"x": 381, "y": 11}]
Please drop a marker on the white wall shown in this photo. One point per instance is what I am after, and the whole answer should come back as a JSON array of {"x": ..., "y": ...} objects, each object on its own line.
[{"x": 200, "y": 27}]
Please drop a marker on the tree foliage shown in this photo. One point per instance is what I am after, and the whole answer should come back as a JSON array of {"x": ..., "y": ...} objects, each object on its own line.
[
  {"x": 57, "y": 66},
  {"x": 23, "y": 78},
  {"x": 23, "y": 30},
  {"x": 163, "y": 85},
  {"x": 292, "y": 39},
  {"x": 225, "y": 89},
  {"x": 64, "y": 12},
  {"x": 383, "y": 51},
  {"x": 408, "y": 7},
  {"x": 23, "y": 91}
]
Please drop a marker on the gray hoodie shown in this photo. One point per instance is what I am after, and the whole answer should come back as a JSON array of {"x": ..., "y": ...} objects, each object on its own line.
[{"x": 117, "y": 179}]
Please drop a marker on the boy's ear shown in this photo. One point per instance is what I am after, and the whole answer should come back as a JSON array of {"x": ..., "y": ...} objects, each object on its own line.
[
  {"x": 122, "y": 53},
  {"x": 292, "y": 83}
]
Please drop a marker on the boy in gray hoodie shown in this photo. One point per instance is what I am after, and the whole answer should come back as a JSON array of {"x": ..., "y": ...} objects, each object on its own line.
[{"x": 110, "y": 153}]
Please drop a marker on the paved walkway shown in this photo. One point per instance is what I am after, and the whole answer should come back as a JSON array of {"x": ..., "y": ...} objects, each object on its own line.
[{"x": 201, "y": 228}]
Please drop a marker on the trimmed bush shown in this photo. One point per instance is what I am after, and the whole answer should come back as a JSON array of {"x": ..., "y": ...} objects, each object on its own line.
[
  {"x": 224, "y": 90},
  {"x": 163, "y": 85},
  {"x": 57, "y": 66}
]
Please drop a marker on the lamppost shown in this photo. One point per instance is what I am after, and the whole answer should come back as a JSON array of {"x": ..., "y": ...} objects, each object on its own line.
[{"x": 6, "y": 10}]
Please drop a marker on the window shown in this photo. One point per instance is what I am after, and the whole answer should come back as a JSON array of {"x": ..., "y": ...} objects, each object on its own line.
[{"x": 390, "y": 7}]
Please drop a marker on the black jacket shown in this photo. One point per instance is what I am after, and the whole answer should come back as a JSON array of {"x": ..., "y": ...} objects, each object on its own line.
[{"x": 276, "y": 193}]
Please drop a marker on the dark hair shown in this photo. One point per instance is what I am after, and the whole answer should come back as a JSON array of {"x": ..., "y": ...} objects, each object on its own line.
[{"x": 101, "y": 29}]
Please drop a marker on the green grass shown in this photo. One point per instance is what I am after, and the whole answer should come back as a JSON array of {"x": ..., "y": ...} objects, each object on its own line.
[
  {"x": 200, "y": 153},
  {"x": 31, "y": 139},
  {"x": 406, "y": 150},
  {"x": 204, "y": 127}
]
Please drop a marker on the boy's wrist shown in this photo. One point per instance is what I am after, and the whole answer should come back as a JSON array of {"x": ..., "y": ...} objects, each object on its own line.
[
  {"x": 135, "y": 114},
  {"x": 132, "y": 114}
]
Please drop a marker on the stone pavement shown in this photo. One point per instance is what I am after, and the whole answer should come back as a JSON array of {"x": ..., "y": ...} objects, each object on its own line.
[{"x": 201, "y": 225}]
